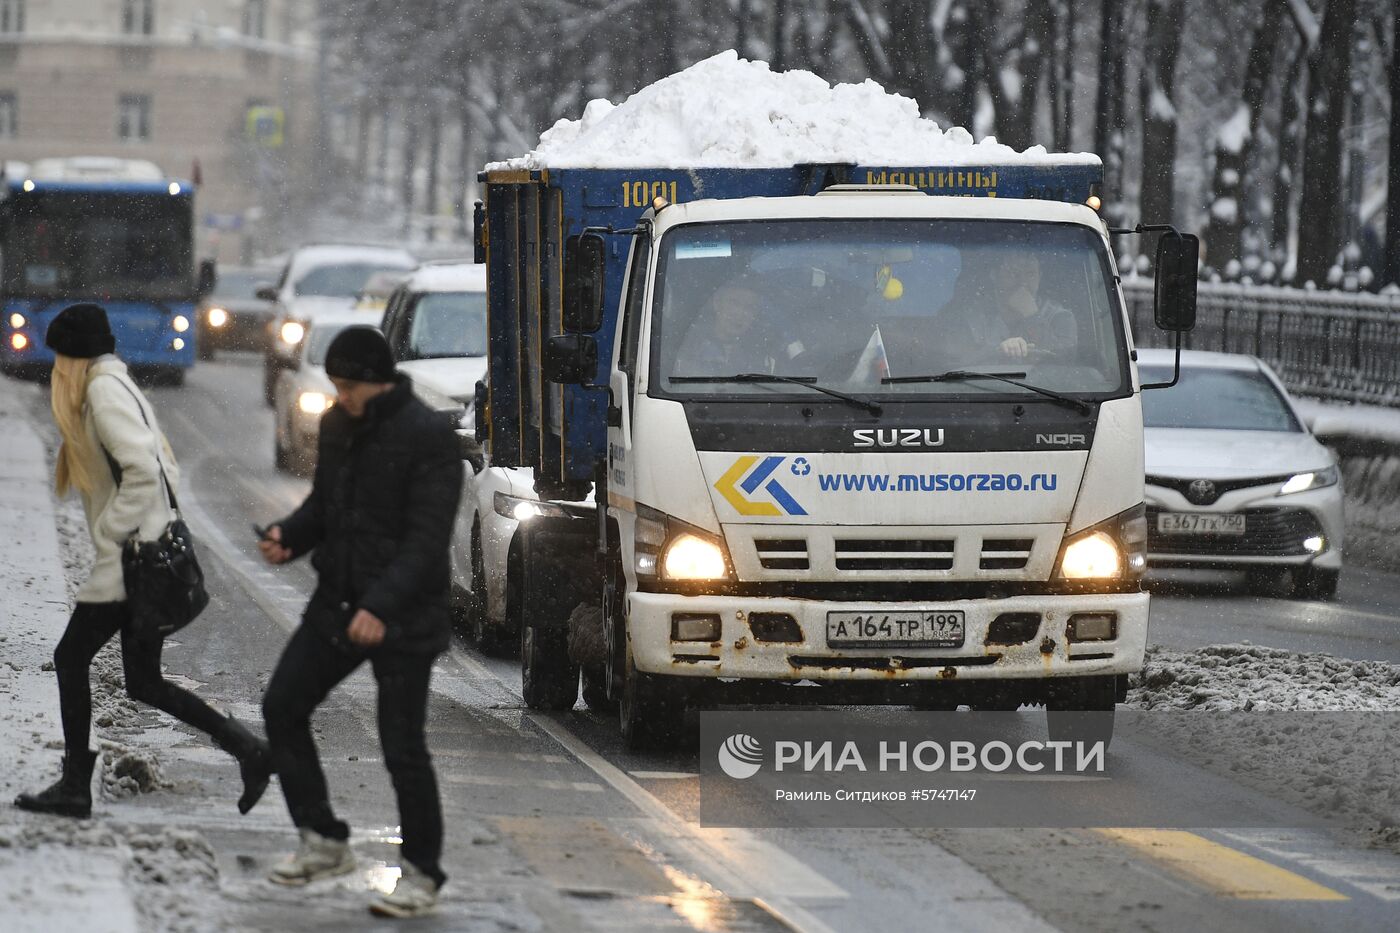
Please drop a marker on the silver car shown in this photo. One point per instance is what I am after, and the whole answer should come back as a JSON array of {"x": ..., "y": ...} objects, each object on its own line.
[
  {"x": 303, "y": 393},
  {"x": 1235, "y": 480}
]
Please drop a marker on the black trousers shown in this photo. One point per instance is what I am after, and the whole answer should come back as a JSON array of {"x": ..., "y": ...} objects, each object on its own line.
[
  {"x": 309, "y": 669},
  {"x": 90, "y": 627}
]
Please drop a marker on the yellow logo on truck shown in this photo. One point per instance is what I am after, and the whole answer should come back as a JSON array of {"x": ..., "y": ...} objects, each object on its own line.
[{"x": 742, "y": 480}]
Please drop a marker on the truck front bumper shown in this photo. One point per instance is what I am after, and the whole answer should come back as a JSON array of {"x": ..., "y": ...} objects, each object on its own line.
[{"x": 739, "y": 653}]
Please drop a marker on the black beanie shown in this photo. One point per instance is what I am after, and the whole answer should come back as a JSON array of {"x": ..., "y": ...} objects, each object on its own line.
[
  {"x": 360, "y": 353},
  {"x": 81, "y": 331}
]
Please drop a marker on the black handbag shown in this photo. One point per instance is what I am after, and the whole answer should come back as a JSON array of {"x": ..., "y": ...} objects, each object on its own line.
[{"x": 164, "y": 582}]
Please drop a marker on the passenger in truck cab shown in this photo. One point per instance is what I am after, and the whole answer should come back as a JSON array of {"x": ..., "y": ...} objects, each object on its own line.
[
  {"x": 724, "y": 338},
  {"x": 999, "y": 301}
]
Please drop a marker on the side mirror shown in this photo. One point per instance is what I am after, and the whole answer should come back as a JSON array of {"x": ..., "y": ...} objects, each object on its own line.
[
  {"x": 584, "y": 258},
  {"x": 470, "y": 450},
  {"x": 1174, "y": 304},
  {"x": 570, "y": 359},
  {"x": 208, "y": 277},
  {"x": 265, "y": 293}
]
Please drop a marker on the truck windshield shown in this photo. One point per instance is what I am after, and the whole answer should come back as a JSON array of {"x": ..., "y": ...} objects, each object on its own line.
[
  {"x": 851, "y": 303},
  {"x": 58, "y": 244}
]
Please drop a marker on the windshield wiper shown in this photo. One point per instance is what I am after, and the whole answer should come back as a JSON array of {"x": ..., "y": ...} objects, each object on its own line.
[
  {"x": 967, "y": 375},
  {"x": 808, "y": 382}
]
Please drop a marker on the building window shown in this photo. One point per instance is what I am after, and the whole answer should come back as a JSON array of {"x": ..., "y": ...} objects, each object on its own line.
[
  {"x": 134, "y": 117},
  {"x": 9, "y": 115},
  {"x": 138, "y": 17},
  {"x": 11, "y": 16},
  {"x": 255, "y": 18}
]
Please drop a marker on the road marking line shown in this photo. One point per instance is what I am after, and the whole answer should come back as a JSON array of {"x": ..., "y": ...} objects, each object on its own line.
[
  {"x": 1229, "y": 872},
  {"x": 664, "y": 775},
  {"x": 1371, "y": 870},
  {"x": 486, "y": 780}
]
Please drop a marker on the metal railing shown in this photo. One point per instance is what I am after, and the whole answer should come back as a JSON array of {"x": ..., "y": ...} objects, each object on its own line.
[{"x": 1334, "y": 345}]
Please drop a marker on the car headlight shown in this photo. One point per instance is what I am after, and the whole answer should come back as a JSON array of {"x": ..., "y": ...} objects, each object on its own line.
[
  {"x": 524, "y": 510},
  {"x": 217, "y": 317},
  {"x": 673, "y": 550},
  {"x": 314, "y": 403},
  {"x": 1301, "y": 482},
  {"x": 180, "y": 323},
  {"x": 1113, "y": 549},
  {"x": 292, "y": 332}
]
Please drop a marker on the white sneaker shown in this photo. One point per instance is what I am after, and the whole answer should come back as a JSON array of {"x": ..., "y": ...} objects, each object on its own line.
[
  {"x": 317, "y": 857},
  {"x": 414, "y": 895}
]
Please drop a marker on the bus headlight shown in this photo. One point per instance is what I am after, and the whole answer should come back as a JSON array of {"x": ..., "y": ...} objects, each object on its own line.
[
  {"x": 180, "y": 323},
  {"x": 178, "y": 343},
  {"x": 292, "y": 332},
  {"x": 217, "y": 317},
  {"x": 17, "y": 320},
  {"x": 19, "y": 341},
  {"x": 313, "y": 403}
]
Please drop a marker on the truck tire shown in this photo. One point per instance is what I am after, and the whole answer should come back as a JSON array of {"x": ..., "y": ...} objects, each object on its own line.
[
  {"x": 548, "y": 677},
  {"x": 1082, "y": 712},
  {"x": 650, "y": 711},
  {"x": 595, "y": 689}
]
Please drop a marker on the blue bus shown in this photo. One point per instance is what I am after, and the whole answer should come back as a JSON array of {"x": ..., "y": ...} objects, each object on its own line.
[{"x": 111, "y": 231}]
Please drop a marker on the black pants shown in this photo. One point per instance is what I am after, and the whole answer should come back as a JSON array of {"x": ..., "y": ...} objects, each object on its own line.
[
  {"x": 90, "y": 627},
  {"x": 310, "y": 667}
]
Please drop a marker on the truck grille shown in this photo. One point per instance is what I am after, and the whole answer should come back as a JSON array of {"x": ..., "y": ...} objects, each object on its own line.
[
  {"x": 1267, "y": 533},
  {"x": 894, "y": 554},
  {"x": 781, "y": 553},
  {"x": 1005, "y": 553}
]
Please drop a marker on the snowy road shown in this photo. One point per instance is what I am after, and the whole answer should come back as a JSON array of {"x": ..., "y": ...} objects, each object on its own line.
[{"x": 553, "y": 826}]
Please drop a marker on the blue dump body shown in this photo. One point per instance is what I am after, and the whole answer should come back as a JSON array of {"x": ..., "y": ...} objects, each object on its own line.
[
  {"x": 561, "y": 431},
  {"x": 126, "y": 245}
]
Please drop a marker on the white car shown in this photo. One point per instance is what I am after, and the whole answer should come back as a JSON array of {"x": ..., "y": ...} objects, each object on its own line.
[
  {"x": 317, "y": 281},
  {"x": 435, "y": 322},
  {"x": 303, "y": 393},
  {"x": 1235, "y": 481}
]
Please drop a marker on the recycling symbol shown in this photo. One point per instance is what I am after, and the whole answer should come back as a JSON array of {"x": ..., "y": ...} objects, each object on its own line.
[{"x": 800, "y": 467}]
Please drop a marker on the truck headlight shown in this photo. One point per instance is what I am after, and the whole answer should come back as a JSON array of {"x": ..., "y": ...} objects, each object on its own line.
[
  {"x": 1301, "y": 482},
  {"x": 670, "y": 549},
  {"x": 292, "y": 332},
  {"x": 1093, "y": 557},
  {"x": 1112, "y": 549},
  {"x": 690, "y": 557}
]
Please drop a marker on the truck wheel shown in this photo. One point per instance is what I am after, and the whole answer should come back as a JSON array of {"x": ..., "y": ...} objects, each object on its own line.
[
  {"x": 650, "y": 713},
  {"x": 1082, "y": 712},
  {"x": 548, "y": 679},
  {"x": 595, "y": 689},
  {"x": 1315, "y": 583}
]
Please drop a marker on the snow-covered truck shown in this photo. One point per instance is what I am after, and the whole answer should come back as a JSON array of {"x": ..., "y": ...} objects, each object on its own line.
[{"x": 854, "y": 432}]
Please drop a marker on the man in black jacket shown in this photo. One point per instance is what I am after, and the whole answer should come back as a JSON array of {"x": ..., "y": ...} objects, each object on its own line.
[{"x": 379, "y": 519}]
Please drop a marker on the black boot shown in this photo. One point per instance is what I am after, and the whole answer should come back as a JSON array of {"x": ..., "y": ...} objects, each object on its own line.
[
  {"x": 254, "y": 760},
  {"x": 70, "y": 795}
]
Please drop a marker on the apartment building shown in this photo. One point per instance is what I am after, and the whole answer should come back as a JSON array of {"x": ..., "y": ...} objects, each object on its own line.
[{"x": 224, "y": 91}]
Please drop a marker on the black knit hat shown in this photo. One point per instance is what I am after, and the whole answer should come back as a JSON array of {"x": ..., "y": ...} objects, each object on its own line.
[
  {"x": 81, "y": 331},
  {"x": 360, "y": 353}
]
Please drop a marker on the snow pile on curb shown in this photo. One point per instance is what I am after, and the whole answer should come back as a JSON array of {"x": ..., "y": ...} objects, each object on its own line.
[
  {"x": 1250, "y": 677},
  {"x": 727, "y": 112}
]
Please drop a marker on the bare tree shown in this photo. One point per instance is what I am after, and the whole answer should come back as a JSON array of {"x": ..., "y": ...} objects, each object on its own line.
[
  {"x": 1159, "y": 117},
  {"x": 1330, "y": 67},
  {"x": 1235, "y": 138},
  {"x": 1109, "y": 123},
  {"x": 1392, "y": 207}
]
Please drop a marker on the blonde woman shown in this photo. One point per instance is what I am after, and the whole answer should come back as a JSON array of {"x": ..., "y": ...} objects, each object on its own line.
[{"x": 113, "y": 454}]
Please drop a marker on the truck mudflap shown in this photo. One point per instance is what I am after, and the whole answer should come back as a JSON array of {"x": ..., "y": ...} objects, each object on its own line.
[{"x": 1021, "y": 638}]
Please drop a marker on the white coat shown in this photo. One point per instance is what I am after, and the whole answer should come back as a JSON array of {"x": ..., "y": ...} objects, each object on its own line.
[{"x": 113, "y": 422}]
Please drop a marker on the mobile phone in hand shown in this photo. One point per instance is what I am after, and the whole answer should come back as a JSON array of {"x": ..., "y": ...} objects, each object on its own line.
[{"x": 262, "y": 532}]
